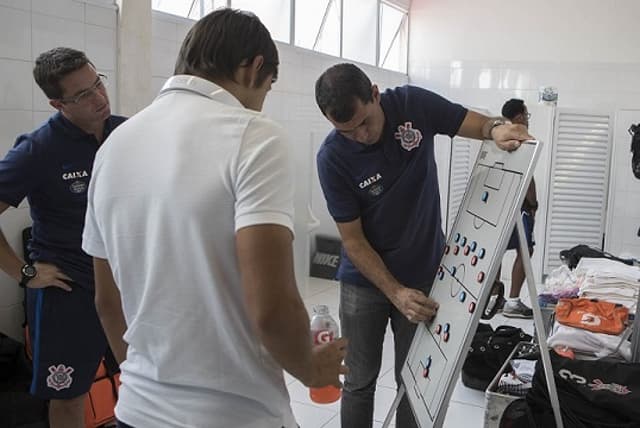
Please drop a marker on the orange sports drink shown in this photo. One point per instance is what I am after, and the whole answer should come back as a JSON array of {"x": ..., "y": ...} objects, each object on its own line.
[{"x": 323, "y": 330}]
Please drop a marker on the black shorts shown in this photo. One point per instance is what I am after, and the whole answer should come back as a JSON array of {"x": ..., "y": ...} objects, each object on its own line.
[
  {"x": 514, "y": 242},
  {"x": 67, "y": 341}
]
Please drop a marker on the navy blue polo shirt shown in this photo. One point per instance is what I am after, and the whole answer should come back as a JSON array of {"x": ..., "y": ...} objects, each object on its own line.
[
  {"x": 51, "y": 167},
  {"x": 392, "y": 186}
]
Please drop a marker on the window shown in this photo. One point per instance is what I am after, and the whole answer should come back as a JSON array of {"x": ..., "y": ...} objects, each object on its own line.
[
  {"x": 317, "y": 25},
  {"x": 394, "y": 38},
  {"x": 193, "y": 9},
  {"x": 274, "y": 14},
  {"x": 174, "y": 7},
  {"x": 359, "y": 28},
  {"x": 374, "y": 32}
]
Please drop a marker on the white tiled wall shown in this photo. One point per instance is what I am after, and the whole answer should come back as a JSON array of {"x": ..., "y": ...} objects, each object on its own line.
[
  {"x": 482, "y": 54},
  {"x": 29, "y": 28}
]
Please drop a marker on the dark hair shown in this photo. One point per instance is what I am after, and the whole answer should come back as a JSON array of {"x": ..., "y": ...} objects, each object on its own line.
[
  {"x": 338, "y": 88},
  {"x": 512, "y": 108},
  {"x": 224, "y": 40},
  {"x": 53, "y": 65}
]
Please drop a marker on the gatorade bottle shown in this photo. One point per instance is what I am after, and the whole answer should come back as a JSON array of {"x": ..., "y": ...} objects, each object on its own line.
[{"x": 323, "y": 330}]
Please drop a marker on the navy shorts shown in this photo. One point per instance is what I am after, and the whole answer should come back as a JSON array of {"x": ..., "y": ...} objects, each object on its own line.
[
  {"x": 514, "y": 242},
  {"x": 67, "y": 341}
]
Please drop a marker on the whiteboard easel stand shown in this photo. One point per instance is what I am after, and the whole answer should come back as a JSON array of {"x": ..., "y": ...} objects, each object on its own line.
[{"x": 540, "y": 333}]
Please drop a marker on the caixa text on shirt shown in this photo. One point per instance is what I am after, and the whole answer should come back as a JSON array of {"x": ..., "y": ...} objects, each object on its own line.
[
  {"x": 369, "y": 181},
  {"x": 74, "y": 175}
]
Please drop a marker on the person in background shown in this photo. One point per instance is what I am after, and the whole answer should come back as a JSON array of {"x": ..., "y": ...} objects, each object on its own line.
[
  {"x": 190, "y": 222},
  {"x": 51, "y": 167},
  {"x": 516, "y": 111},
  {"x": 378, "y": 173}
]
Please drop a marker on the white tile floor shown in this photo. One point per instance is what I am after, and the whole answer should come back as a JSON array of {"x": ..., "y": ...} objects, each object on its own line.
[{"x": 466, "y": 408}]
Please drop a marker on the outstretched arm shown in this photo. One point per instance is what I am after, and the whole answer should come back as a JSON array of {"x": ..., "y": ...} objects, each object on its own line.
[
  {"x": 481, "y": 127},
  {"x": 411, "y": 302}
]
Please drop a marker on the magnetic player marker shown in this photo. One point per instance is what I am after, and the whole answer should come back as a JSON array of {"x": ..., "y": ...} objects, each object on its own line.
[
  {"x": 445, "y": 337},
  {"x": 457, "y": 237},
  {"x": 446, "y": 249},
  {"x": 447, "y": 327},
  {"x": 441, "y": 275},
  {"x": 481, "y": 253},
  {"x": 466, "y": 250},
  {"x": 425, "y": 373},
  {"x": 428, "y": 365},
  {"x": 464, "y": 241},
  {"x": 485, "y": 196},
  {"x": 474, "y": 260},
  {"x": 462, "y": 296},
  {"x": 480, "y": 276},
  {"x": 474, "y": 245},
  {"x": 472, "y": 307},
  {"x": 453, "y": 271},
  {"x": 438, "y": 328},
  {"x": 456, "y": 250}
]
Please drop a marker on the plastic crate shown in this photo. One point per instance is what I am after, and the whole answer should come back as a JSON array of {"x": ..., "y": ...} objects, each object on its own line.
[{"x": 496, "y": 402}]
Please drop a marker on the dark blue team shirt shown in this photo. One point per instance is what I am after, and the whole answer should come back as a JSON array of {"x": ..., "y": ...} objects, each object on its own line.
[
  {"x": 392, "y": 186},
  {"x": 51, "y": 167}
]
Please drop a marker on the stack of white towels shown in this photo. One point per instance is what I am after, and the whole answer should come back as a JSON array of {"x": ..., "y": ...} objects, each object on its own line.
[{"x": 606, "y": 280}]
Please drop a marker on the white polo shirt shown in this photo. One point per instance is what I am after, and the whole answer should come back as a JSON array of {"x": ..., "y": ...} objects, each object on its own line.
[{"x": 170, "y": 188}]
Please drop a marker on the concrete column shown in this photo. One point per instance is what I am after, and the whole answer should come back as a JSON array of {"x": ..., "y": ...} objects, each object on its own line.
[{"x": 133, "y": 56}]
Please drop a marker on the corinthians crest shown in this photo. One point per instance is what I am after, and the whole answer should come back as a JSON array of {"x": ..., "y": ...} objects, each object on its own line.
[
  {"x": 60, "y": 377},
  {"x": 409, "y": 138}
]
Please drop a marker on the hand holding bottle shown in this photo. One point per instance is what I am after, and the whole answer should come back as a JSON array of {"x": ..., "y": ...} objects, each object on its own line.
[{"x": 326, "y": 357}]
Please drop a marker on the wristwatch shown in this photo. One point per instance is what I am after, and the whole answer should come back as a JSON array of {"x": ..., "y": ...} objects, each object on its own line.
[
  {"x": 28, "y": 273},
  {"x": 494, "y": 123}
]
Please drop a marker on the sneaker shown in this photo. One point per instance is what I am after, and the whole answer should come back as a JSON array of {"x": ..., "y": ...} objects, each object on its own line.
[{"x": 517, "y": 310}]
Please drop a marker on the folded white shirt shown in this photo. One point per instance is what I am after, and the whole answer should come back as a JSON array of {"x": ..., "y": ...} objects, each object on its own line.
[{"x": 597, "y": 344}]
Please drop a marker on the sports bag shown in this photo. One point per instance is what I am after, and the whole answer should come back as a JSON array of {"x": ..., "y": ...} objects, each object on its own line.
[
  {"x": 572, "y": 256},
  {"x": 488, "y": 352},
  {"x": 592, "y": 394},
  {"x": 634, "y": 130},
  {"x": 593, "y": 315}
]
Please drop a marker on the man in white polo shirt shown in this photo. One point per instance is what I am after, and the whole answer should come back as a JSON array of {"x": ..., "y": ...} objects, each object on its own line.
[{"x": 189, "y": 220}]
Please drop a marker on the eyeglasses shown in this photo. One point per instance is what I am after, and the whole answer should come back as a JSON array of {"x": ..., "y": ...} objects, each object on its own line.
[{"x": 86, "y": 94}]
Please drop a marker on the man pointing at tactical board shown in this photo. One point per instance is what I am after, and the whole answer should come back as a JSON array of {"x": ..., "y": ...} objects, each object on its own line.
[{"x": 378, "y": 173}]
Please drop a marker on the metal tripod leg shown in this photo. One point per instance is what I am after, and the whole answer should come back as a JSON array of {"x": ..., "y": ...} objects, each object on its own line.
[
  {"x": 539, "y": 323},
  {"x": 394, "y": 406},
  {"x": 635, "y": 340}
]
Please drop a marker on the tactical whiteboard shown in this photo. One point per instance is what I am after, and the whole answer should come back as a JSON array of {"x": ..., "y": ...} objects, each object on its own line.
[{"x": 473, "y": 253}]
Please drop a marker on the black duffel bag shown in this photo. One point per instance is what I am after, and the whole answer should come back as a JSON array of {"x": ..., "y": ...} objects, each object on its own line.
[
  {"x": 488, "y": 352},
  {"x": 592, "y": 394},
  {"x": 572, "y": 256}
]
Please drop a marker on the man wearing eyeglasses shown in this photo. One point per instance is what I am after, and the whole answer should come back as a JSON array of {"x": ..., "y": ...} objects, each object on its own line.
[
  {"x": 51, "y": 167},
  {"x": 516, "y": 111}
]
